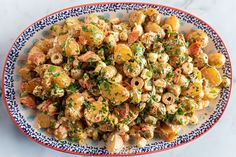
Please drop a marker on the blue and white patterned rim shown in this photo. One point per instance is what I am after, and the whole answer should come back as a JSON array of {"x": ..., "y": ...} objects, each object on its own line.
[{"x": 12, "y": 105}]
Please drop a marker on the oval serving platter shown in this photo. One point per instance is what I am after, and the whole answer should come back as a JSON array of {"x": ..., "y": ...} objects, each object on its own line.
[{"x": 24, "y": 118}]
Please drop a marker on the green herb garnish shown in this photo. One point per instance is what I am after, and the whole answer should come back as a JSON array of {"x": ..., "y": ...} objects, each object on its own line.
[{"x": 51, "y": 68}]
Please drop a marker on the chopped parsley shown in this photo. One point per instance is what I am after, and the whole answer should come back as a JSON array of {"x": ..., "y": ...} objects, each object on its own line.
[
  {"x": 57, "y": 74},
  {"x": 24, "y": 94},
  {"x": 104, "y": 109},
  {"x": 71, "y": 105},
  {"x": 149, "y": 73},
  {"x": 75, "y": 139},
  {"x": 88, "y": 105},
  {"x": 73, "y": 87},
  {"x": 130, "y": 68},
  {"x": 85, "y": 29},
  {"x": 103, "y": 82},
  {"x": 70, "y": 59},
  {"x": 169, "y": 75},
  {"x": 102, "y": 18},
  {"x": 152, "y": 99},
  {"x": 171, "y": 117},
  {"x": 138, "y": 120},
  {"x": 158, "y": 39},
  {"x": 95, "y": 125},
  {"x": 179, "y": 112},
  {"x": 65, "y": 43},
  {"x": 126, "y": 121},
  {"x": 154, "y": 69},
  {"x": 107, "y": 86},
  {"x": 91, "y": 59},
  {"x": 177, "y": 52},
  {"x": 167, "y": 47},
  {"x": 51, "y": 68},
  {"x": 93, "y": 30},
  {"x": 138, "y": 49},
  {"x": 85, "y": 76}
]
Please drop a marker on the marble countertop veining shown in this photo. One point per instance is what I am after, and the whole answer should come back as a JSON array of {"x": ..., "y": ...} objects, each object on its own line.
[{"x": 16, "y": 15}]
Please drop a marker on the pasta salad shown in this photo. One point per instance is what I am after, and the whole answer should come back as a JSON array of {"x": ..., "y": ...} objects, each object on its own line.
[{"x": 117, "y": 81}]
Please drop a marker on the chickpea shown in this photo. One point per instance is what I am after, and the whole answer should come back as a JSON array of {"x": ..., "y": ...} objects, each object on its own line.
[
  {"x": 157, "y": 110},
  {"x": 91, "y": 18},
  {"x": 60, "y": 133},
  {"x": 160, "y": 83},
  {"x": 154, "y": 27},
  {"x": 100, "y": 66},
  {"x": 150, "y": 120},
  {"x": 181, "y": 120},
  {"x": 148, "y": 38},
  {"x": 146, "y": 74},
  {"x": 110, "y": 41},
  {"x": 141, "y": 142},
  {"x": 200, "y": 60},
  {"x": 123, "y": 36},
  {"x": 115, "y": 35},
  {"x": 182, "y": 81},
  {"x": 167, "y": 28},
  {"x": 76, "y": 73},
  {"x": 131, "y": 69},
  {"x": 187, "y": 68},
  {"x": 201, "y": 104},
  {"x": 163, "y": 58},
  {"x": 141, "y": 106},
  {"x": 108, "y": 72},
  {"x": 117, "y": 78},
  {"x": 153, "y": 15},
  {"x": 56, "y": 30},
  {"x": 152, "y": 57},
  {"x": 139, "y": 29},
  {"x": 171, "y": 109},
  {"x": 114, "y": 142},
  {"x": 136, "y": 17},
  {"x": 148, "y": 85},
  {"x": 138, "y": 49},
  {"x": 164, "y": 69},
  {"x": 123, "y": 128},
  {"x": 198, "y": 36},
  {"x": 188, "y": 105},
  {"x": 141, "y": 60},
  {"x": 158, "y": 47},
  {"x": 136, "y": 96},
  {"x": 175, "y": 89},
  {"x": 125, "y": 137},
  {"x": 145, "y": 97}
]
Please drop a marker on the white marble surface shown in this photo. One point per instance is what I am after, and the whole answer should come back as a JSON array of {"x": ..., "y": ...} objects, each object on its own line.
[{"x": 15, "y": 15}]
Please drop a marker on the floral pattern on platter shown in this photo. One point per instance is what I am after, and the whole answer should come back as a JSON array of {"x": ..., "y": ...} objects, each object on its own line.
[{"x": 24, "y": 117}]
